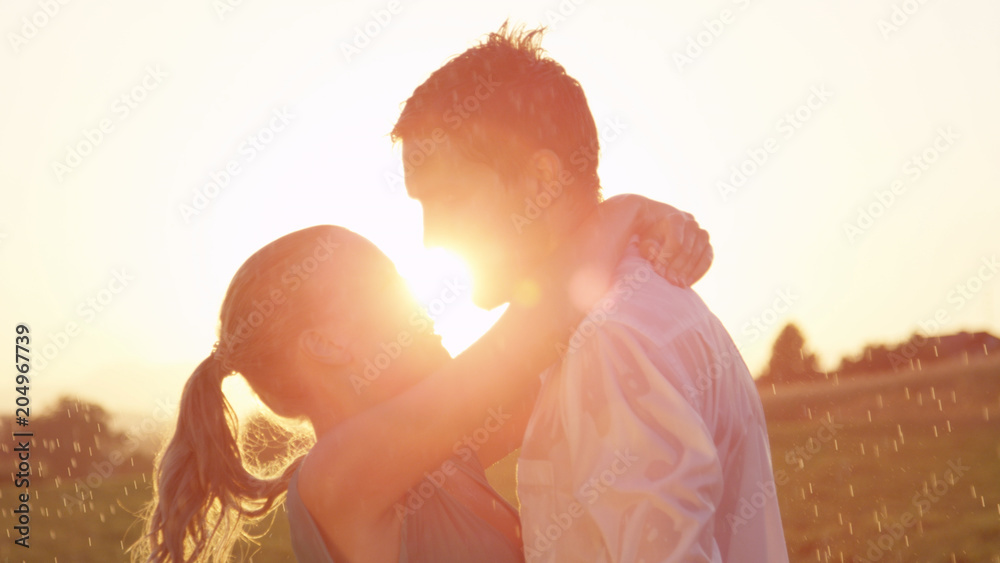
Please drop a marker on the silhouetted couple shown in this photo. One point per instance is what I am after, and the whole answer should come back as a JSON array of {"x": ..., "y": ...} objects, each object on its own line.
[{"x": 641, "y": 441}]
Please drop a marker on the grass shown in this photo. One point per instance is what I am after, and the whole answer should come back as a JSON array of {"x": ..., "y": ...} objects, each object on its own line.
[
  {"x": 898, "y": 435},
  {"x": 880, "y": 470},
  {"x": 100, "y": 528}
]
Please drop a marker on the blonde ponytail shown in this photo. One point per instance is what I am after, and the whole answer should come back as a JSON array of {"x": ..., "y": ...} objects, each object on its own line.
[{"x": 203, "y": 494}]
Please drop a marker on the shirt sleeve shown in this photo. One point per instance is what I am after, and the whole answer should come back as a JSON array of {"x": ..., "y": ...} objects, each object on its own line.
[{"x": 645, "y": 467}]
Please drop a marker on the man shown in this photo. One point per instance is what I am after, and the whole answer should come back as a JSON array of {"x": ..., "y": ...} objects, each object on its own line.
[{"x": 647, "y": 441}]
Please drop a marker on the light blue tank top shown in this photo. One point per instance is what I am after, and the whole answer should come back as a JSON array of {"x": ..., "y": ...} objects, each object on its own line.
[{"x": 441, "y": 530}]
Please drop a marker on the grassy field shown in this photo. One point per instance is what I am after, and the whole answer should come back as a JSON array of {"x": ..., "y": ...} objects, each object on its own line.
[
  {"x": 906, "y": 468},
  {"x": 912, "y": 475},
  {"x": 99, "y": 530}
]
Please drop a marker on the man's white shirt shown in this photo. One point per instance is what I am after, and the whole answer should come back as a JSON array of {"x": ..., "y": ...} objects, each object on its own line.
[{"x": 647, "y": 442}]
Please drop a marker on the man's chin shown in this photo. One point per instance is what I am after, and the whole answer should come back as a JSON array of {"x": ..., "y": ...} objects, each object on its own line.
[
  {"x": 489, "y": 295},
  {"x": 486, "y": 300}
]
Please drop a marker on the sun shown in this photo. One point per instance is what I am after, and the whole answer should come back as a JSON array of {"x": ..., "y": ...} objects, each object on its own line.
[{"x": 442, "y": 284}]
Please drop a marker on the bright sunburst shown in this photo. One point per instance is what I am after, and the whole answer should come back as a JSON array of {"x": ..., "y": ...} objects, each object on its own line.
[{"x": 442, "y": 283}]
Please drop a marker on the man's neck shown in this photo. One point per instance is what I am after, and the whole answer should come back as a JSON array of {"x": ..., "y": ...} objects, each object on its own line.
[
  {"x": 564, "y": 220},
  {"x": 561, "y": 222}
]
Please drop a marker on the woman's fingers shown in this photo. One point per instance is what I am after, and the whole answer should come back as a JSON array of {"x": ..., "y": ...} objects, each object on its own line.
[
  {"x": 677, "y": 248},
  {"x": 699, "y": 268},
  {"x": 659, "y": 245},
  {"x": 681, "y": 255}
]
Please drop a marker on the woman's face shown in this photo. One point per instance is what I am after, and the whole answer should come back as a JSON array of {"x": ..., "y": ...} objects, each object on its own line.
[{"x": 390, "y": 338}]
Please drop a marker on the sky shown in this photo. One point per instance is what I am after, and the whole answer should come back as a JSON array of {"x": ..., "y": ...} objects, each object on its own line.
[{"x": 842, "y": 156}]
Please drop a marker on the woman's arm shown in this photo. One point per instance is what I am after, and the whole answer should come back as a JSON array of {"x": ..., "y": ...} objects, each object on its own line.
[{"x": 364, "y": 465}]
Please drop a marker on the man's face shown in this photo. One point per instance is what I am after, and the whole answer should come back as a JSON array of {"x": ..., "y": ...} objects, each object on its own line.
[{"x": 469, "y": 210}]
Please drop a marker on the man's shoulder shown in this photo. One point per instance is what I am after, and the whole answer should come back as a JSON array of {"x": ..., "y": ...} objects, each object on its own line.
[{"x": 642, "y": 303}]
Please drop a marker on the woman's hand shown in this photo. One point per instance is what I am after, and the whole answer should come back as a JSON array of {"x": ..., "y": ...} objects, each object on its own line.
[{"x": 672, "y": 241}]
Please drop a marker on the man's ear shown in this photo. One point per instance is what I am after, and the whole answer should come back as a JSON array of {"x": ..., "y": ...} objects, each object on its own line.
[
  {"x": 545, "y": 167},
  {"x": 324, "y": 348}
]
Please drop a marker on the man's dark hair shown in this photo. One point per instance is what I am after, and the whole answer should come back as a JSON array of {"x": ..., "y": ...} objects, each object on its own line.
[{"x": 501, "y": 100}]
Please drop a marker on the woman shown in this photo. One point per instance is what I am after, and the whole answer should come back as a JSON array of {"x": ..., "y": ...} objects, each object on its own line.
[{"x": 393, "y": 475}]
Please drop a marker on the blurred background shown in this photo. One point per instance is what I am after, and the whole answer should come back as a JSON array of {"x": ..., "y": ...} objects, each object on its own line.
[{"x": 842, "y": 156}]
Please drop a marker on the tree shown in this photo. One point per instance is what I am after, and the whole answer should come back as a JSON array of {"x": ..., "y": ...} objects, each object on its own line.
[
  {"x": 790, "y": 359},
  {"x": 74, "y": 438}
]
